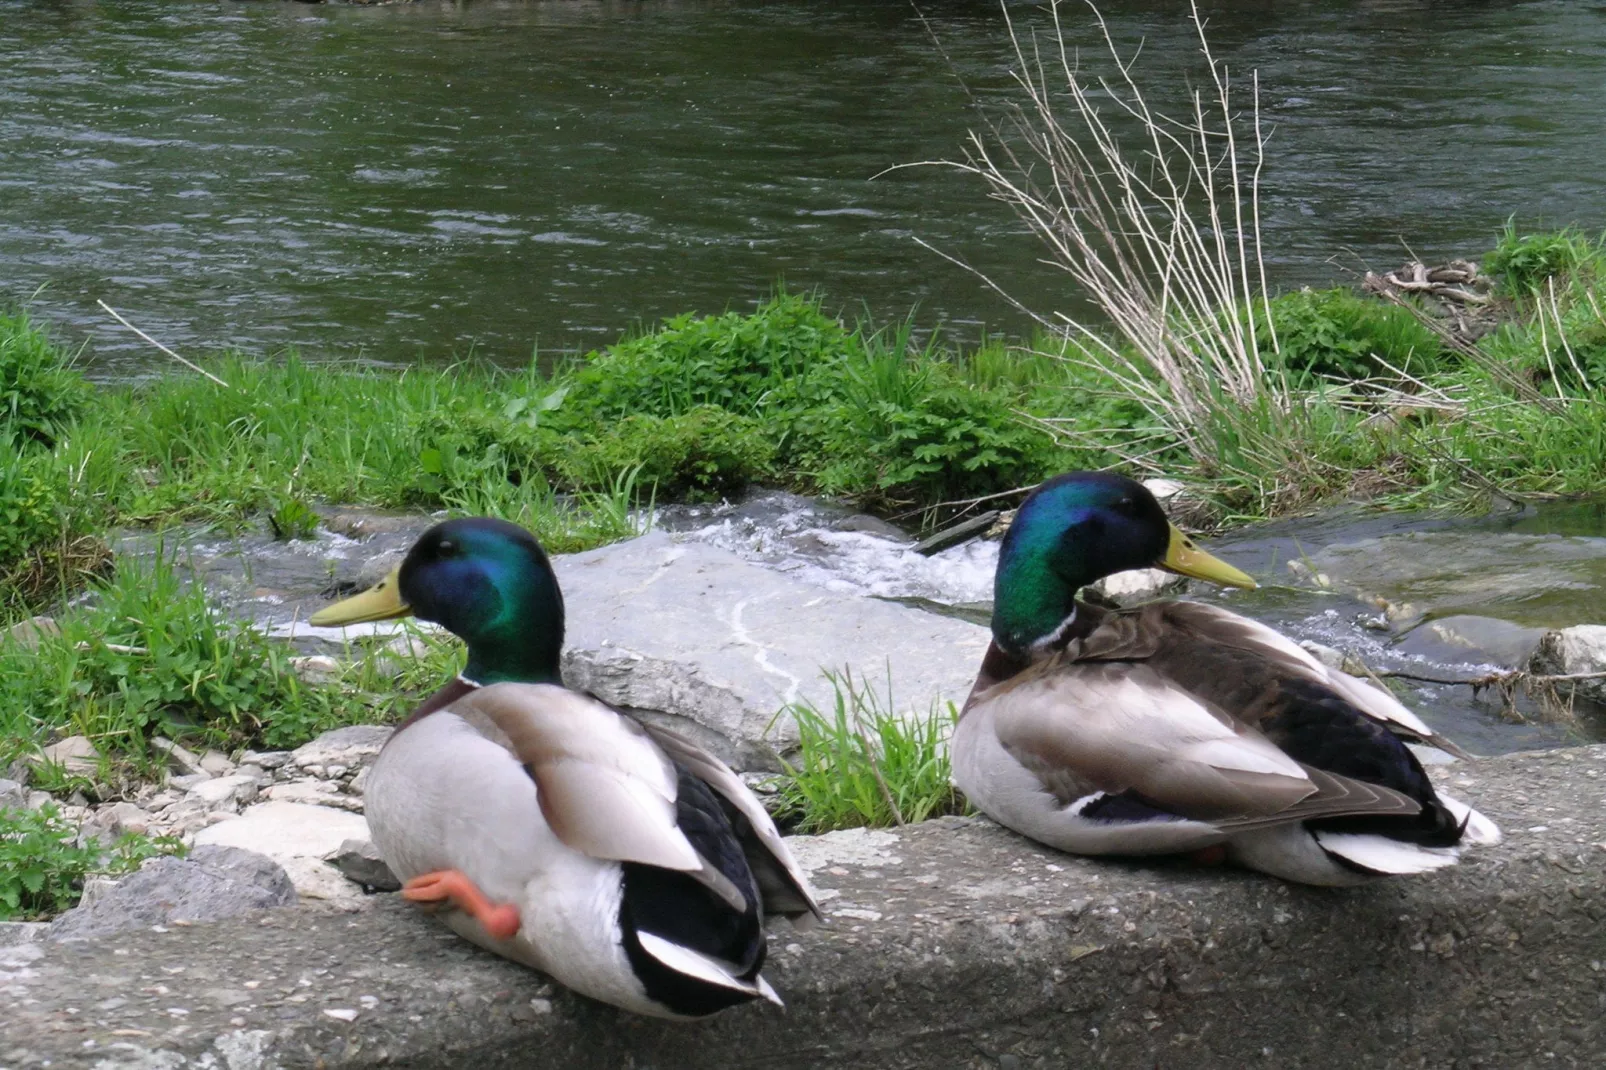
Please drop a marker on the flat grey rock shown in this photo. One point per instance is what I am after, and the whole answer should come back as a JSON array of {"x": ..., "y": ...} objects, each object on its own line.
[
  {"x": 211, "y": 884},
  {"x": 358, "y": 860},
  {"x": 718, "y": 646},
  {"x": 298, "y": 836},
  {"x": 343, "y": 746}
]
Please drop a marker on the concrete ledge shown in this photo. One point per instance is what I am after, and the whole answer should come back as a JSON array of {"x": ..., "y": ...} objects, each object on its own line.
[{"x": 953, "y": 944}]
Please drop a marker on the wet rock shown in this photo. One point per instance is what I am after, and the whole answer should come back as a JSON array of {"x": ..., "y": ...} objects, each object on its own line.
[
  {"x": 1329, "y": 656},
  {"x": 297, "y": 836},
  {"x": 267, "y": 759},
  {"x": 871, "y": 525},
  {"x": 955, "y": 534},
  {"x": 363, "y": 524},
  {"x": 359, "y": 861},
  {"x": 379, "y": 566},
  {"x": 1572, "y": 651},
  {"x": 211, "y": 883},
  {"x": 701, "y": 637},
  {"x": 76, "y": 755},
  {"x": 1470, "y": 639},
  {"x": 28, "y": 633},
  {"x": 1538, "y": 580},
  {"x": 351, "y": 747}
]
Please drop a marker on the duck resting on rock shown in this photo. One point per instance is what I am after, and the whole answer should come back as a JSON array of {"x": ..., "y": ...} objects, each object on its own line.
[
  {"x": 547, "y": 826},
  {"x": 1177, "y": 727}
]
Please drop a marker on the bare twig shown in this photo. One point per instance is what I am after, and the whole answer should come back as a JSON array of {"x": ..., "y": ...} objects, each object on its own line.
[
  {"x": 1157, "y": 222},
  {"x": 158, "y": 345}
]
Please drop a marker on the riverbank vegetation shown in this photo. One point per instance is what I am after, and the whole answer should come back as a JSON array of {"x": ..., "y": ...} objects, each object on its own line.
[{"x": 1364, "y": 398}]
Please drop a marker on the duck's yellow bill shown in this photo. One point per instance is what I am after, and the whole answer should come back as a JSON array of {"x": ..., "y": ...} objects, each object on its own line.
[
  {"x": 382, "y": 601},
  {"x": 1186, "y": 559}
]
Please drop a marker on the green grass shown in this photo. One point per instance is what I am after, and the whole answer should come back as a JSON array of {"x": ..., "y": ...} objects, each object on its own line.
[
  {"x": 863, "y": 764},
  {"x": 146, "y": 654},
  {"x": 1524, "y": 263},
  {"x": 43, "y": 868}
]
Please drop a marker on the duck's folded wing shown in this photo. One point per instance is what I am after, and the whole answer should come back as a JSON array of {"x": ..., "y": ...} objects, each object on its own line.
[
  {"x": 1279, "y": 654},
  {"x": 784, "y": 887},
  {"x": 604, "y": 787},
  {"x": 1123, "y": 728}
]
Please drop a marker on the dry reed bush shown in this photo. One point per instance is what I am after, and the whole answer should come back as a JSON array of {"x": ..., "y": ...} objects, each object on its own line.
[{"x": 1156, "y": 220}]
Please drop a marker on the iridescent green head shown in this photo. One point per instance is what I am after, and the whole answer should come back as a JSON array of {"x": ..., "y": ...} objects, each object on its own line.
[
  {"x": 1074, "y": 530},
  {"x": 486, "y": 581}
]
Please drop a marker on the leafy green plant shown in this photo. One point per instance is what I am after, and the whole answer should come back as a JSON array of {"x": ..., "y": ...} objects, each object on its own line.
[
  {"x": 43, "y": 867},
  {"x": 703, "y": 453},
  {"x": 32, "y": 488},
  {"x": 864, "y": 765},
  {"x": 292, "y": 518},
  {"x": 1336, "y": 334},
  {"x": 729, "y": 361},
  {"x": 40, "y": 393}
]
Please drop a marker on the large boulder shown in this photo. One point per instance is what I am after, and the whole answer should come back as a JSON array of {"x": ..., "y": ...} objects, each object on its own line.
[
  {"x": 212, "y": 883},
  {"x": 719, "y": 647}
]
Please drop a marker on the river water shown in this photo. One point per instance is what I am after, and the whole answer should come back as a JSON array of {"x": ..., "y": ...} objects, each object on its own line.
[{"x": 416, "y": 181}]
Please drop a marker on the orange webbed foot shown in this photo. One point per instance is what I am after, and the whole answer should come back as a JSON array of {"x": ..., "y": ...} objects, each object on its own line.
[{"x": 500, "y": 920}]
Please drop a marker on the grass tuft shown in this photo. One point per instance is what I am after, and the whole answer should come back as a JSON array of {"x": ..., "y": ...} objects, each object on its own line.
[{"x": 865, "y": 765}]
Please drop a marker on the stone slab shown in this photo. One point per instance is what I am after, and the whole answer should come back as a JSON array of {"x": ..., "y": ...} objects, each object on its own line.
[
  {"x": 952, "y": 944},
  {"x": 720, "y": 645}
]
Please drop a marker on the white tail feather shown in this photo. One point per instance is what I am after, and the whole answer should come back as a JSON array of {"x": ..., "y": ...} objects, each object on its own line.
[
  {"x": 1479, "y": 829},
  {"x": 703, "y": 967},
  {"x": 1383, "y": 855}
]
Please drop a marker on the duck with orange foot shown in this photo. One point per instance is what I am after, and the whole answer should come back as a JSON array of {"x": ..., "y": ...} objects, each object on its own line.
[
  {"x": 1176, "y": 727},
  {"x": 550, "y": 828}
]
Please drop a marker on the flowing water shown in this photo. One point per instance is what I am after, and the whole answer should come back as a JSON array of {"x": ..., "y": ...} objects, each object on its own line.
[{"x": 411, "y": 181}]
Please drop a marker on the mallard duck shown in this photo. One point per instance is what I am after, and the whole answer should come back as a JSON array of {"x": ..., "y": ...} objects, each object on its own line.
[
  {"x": 1178, "y": 727},
  {"x": 547, "y": 826}
]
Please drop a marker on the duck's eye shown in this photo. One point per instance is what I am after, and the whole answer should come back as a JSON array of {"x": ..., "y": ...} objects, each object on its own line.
[
  {"x": 1129, "y": 506},
  {"x": 446, "y": 548}
]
